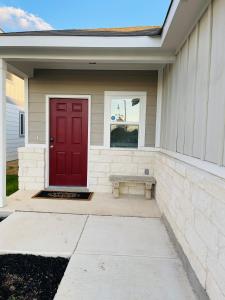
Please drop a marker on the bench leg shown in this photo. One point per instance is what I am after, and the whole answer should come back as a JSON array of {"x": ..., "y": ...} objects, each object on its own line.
[
  {"x": 116, "y": 189},
  {"x": 148, "y": 189}
]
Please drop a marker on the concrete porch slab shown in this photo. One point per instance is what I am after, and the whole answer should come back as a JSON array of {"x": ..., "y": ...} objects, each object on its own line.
[
  {"x": 123, "y": 277},
  {"x": 101, "y": 204},
  {"x": 126, "y": 236},
  {"x": 44, "y": 234}
]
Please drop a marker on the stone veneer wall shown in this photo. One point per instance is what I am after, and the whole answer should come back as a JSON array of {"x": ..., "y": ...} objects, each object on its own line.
[
  {"x": 103, "y": 163},
  {"x": 193, "y": 202},
  {"x": 31, "y": 168}
]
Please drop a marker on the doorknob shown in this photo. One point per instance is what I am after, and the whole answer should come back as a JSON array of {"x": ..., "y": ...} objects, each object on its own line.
[
  {"x": 51, "y": 146},
  {"x": 51, "y": 139}
]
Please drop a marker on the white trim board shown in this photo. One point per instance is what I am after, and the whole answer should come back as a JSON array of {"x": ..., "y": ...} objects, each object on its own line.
[
  {"x": 26, "y": 109},
  {"x": 196, "y": 162},
  {"x": 47, "y": 127},
  {"x": 146, "y": 149},
  {"x": 3, "y": 69},
  {"x": 159, "y": 109},
  {"x": 81, "y": 41},
  {"x": 120, "y": 94}
]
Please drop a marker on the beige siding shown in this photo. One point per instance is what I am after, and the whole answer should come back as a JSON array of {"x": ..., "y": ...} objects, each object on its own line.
[
  {"x": 194, "y": 91},
  {"x": 92, "y": 83}
]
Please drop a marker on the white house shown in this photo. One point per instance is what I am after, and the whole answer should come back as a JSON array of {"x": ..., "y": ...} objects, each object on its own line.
[
  {"x": 131, "y": 102},
  {"x": 15, "y": 116}
]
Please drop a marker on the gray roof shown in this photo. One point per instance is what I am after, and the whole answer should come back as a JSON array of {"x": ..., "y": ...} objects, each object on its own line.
[{"x": 123, "y": 31}]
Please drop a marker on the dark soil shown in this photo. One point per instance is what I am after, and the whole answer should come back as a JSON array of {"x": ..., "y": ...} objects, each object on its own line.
[{"x": 29, "y": 277}]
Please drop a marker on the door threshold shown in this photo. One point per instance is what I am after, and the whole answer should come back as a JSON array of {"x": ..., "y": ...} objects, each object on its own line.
[{"x": 67, "y": 188}]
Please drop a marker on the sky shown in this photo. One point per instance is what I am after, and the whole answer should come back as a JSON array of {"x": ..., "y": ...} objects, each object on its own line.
[{"x": 22, "y": 15}]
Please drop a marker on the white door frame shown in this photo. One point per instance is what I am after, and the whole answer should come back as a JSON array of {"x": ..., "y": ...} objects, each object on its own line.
[{"x": 47, "y": 133}]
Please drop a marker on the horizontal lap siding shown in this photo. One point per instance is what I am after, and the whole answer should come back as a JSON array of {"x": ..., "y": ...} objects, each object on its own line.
[
  {"x": 93, "y": 83},
  {"x": 194, "y": 91},
  {"x": 13, "y": 139}
]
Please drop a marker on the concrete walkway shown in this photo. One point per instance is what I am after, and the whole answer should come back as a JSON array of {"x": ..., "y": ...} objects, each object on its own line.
[{"x": 119, "y": 258}]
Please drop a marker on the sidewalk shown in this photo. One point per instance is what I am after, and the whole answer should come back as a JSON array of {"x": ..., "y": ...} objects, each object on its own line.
[{"x": 112, "y": 257}]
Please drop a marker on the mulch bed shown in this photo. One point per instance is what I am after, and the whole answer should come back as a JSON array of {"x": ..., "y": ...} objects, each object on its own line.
[
  {"x": 29, "y": 277},
  {"x": 12, "y": 167}
]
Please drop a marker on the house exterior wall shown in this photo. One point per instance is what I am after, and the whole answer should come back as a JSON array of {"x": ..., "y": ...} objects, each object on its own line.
[
  {"x": 193, "y": 124},
  {"x": 106, "y": 162},
  {"x": 33, "y": 160},
  {"x": 94, "y": 83},
  {"x": 193, "y": 105},
  {"x": 101, "y": 164},
  {"x": 193, "y": 202},
  {"x": 13, "y": 139}
]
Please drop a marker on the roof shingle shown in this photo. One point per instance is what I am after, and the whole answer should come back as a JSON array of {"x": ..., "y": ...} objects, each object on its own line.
[{"x": 120, "y": 31}]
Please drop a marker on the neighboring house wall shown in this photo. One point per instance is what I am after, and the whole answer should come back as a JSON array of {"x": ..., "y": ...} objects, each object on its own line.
[
  {"x": 92, "y": 83},
  {"x": 15, "y": 104},
  {"x": 14, "y": 140},
  {"x": 15, "y": 89},
  {"x": 193, "y": 123}
]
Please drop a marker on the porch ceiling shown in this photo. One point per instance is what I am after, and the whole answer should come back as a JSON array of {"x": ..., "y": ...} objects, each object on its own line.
[
  {"x": 25, "y": 60},
  {"x": 28, "y": 67}
]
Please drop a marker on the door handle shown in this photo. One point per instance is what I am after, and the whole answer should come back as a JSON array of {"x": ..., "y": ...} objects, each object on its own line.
[{"x": 51, "y": 146}]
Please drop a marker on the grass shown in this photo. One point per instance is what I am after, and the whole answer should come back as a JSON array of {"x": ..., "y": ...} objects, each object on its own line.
[{"x": 11, "y": 184}]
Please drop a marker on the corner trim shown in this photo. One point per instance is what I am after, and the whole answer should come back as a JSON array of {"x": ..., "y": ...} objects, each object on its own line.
[
  {"x": 206, "y": 166},
  {"x": 159, "y": 109}
]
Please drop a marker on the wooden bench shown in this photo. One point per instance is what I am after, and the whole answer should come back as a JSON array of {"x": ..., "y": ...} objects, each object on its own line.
[{"x": 149, "y": 181}]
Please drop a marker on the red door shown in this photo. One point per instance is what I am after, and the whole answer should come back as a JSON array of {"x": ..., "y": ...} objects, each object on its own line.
[{"x": 68, "y": 142}]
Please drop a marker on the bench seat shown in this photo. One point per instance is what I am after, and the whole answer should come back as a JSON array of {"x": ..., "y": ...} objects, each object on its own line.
[{"x": 149, "y": 181}]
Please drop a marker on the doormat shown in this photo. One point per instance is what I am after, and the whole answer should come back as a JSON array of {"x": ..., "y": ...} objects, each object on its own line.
[{"x": 64, "y": 195}]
